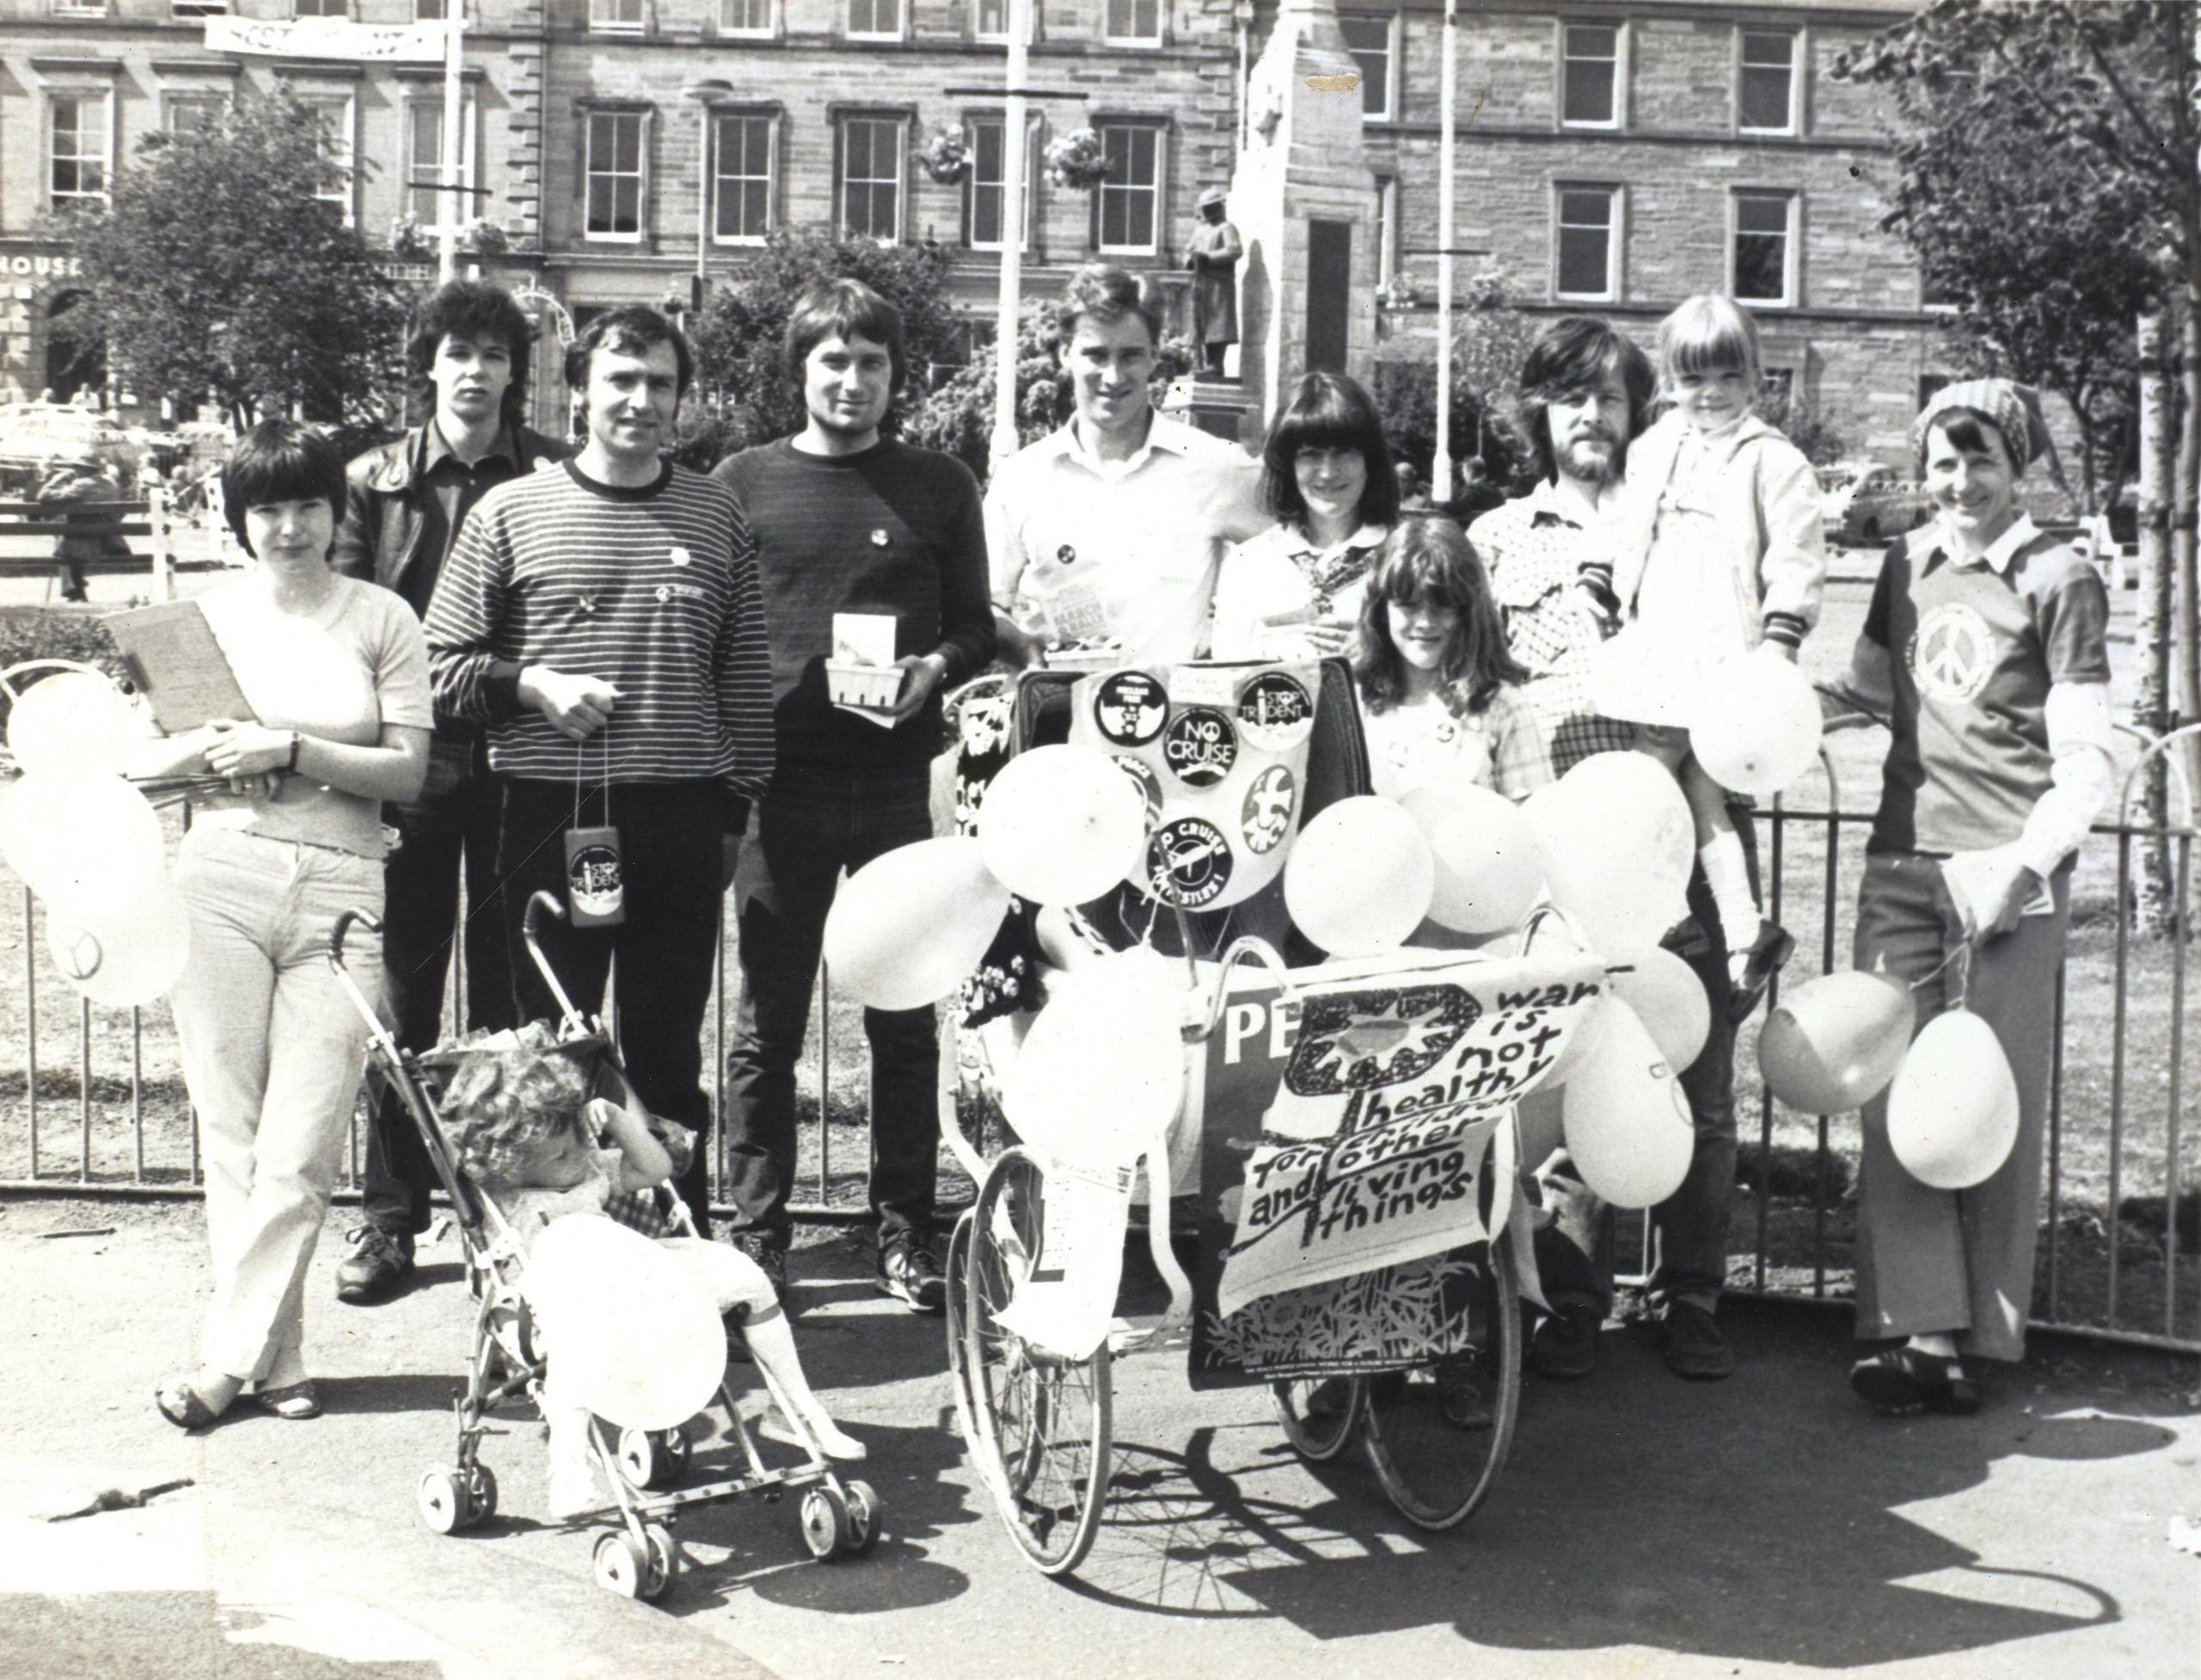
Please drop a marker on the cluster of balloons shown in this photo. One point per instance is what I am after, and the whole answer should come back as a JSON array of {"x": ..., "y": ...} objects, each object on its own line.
[
  {"x": 1753, "y": 719},
  {"x": 89, "y": 844},
  {"x": 1836, "y": 1042}
]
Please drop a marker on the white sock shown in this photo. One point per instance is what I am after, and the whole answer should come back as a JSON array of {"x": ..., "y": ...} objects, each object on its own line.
[
  {"x": 1727, "y": 872},
  {"x": 572, "y": 1474},
  {"x": 771, "y": 1342}
]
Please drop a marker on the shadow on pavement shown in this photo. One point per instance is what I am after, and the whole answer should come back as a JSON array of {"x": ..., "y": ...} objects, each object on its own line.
[{"x": 98, "y": 1633}]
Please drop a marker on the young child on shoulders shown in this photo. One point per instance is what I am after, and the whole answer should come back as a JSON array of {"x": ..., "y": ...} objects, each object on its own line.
[
  {"x": 525, "y": 1128},
  {"x": 1721, "y": 552},
  {"x": 1439, "y": 692}
]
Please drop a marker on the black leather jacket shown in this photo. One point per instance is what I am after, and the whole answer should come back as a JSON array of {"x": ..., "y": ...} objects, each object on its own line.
[{"x": 378, "y": 540}]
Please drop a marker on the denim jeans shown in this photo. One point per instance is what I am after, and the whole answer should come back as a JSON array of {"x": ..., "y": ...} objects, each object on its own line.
[
  {"x": 669, "y": 853},
  {"x": 811, "y": 826},
  {"x": 1574, "y": 1252},
  {"x": 272, "y": 1054},
  {"x": 449, "y": 828}
]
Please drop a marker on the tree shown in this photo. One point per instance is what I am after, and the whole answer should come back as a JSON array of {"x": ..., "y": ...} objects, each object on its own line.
[
  {"x": 2049, "y": 181},
  {"x": 746, "y": 396},
  {"x": 216, "y": 269},
  {"x": 1491, "y": 338}
]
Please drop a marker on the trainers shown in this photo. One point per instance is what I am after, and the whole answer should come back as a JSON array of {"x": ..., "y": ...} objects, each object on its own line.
[
  {"x": 378, "y": 1262},
  {"x": 772, "y": 1261},
  {"x": 1695, "y": 1345},
  {"x": 908, "y": 1271},
  {"x": 1565, "y": 1345},
  {"x": 1462, "y": 1395}
]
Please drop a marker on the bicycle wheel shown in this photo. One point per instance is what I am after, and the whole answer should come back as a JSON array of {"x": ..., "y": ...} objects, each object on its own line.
[
  {"x": 1041, "y": 1439},
  {"x": 1318, "y": 1413},
  {"x": 1435, "y": 1469},
  {"x": 958, "y": 1316}
]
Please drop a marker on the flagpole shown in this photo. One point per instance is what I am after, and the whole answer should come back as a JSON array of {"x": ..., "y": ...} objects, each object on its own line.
[
  {"x": 1014, "y": 145},
  {"x": 451, "y": 198},
  {"x": 1440, "y": 464}
]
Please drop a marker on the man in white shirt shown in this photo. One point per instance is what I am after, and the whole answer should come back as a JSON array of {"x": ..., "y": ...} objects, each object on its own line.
[{"x": 1109, "y": 531}]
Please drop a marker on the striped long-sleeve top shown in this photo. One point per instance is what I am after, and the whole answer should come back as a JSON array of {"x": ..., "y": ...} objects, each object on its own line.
[{"x": 652, "y": 590}]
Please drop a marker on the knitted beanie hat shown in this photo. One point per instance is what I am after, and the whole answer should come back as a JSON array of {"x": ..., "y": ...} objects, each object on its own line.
[{"x": 2013, "y": 409}]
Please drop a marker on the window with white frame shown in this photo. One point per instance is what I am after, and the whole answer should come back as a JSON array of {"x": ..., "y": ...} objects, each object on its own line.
[
  {"x": 1764, "y": 248},
  {"x": 1129, "y": 205},
  {"x": 1590, "y": 75},
  {"x": 320, "y": 7},
  {"x": 871, "y": 178},
  {"x": 745, "y": 17},
  {"x": 334, "y": 112},
  {"x": 427, "y": 11},
  {"x": 1585, "y": 262},
  {"x": 424, "y": 163},
  {"x": 990, "y": 20},
  {"x": 1137, "y": 21},
  {"x": 79, "y": 7},
  {"x": 193, "y": 112},
  {"x": 622, "y": 16},
  {"x": 1372, "y": 38},
  {"x": 989, "y": 182},
  {"x": 1766, "y": 95},
  {"x": 198, "y": 8},
  {"x": 611, "y": 175},
  {"x": 1386, "y": 230},
  {"x": 874, "y": 19},
  {"x": 741, "y": 189},
  {"x": 79, "y": 149}
]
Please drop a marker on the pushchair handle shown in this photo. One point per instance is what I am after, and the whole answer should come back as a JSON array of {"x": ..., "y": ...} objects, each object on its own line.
[
  {"x": 366, "y": 919},
  {"x": 541, "y": 901}
]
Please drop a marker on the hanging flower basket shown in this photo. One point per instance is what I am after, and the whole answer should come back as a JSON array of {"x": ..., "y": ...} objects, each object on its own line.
[
  {"x": 408, "y": 241},
  {"x": 484, "y": 238},
  {"x": 1077, "y": 161},
  {"x": 946, "y": 155}
]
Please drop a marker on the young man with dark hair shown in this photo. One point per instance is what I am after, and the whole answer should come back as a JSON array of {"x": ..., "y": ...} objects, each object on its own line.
[
  {"x": 1111, "y": 529},
  {"x": 603, "y": 622},
  {"x": 846, "y": 520},
  {"x": 404, "y": 504},
  {"x": 1586, "y": 393}
]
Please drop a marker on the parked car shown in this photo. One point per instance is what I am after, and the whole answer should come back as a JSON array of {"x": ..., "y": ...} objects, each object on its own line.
[
  {"x": 35, "y": 437},
  {"x": 1867, "y": 502}
]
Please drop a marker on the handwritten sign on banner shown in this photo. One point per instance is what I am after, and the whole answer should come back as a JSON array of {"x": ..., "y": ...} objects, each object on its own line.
[{"x": 1354, "y": 1138}]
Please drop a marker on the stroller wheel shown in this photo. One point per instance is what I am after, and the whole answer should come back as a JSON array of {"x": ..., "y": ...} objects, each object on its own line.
[
  {"x": 664, "y": 1559},
  {"x": 827, "y": 1530},
  {"x": 863, "y": 1516},
  {"x": 480, "y": 1494},
  {"x": 653, "y": 1458},
  {"x": 444, "y": 1507},
  {"x": 621, "y": 1565}
]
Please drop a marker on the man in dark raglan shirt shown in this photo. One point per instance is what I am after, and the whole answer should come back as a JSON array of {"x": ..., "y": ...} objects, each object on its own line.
[
  {"x": 404, "y": 504},
  {"x": 604, "y": 621},
  {"x": 846, "y": 521}
]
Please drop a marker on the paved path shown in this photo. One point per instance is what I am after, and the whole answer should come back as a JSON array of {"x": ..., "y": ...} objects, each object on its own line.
[{"x": 1645, "y": 1526}]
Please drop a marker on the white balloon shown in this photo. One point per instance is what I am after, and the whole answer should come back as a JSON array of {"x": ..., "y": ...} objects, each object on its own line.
[
  {"x": 1953, "y": 1111},
  {"x": 1618, "y": 844},
  {"x": 71, "y": 721},
  {"x": 1061, "y": 824},
  {"x": 1101, "y": 1074},
  {"x": 1360, "y": 876},
  {"x": 88, "y": 843},
  {"x": 1489, "y": 872},
  {"x": 1757, "y": 724},
  {"x": 1627, "y": 1119},
  {"x": 1835, "y": 1041},
  {"x": 1642, "y": 678},
  {"x": 629, "y": 1331},
  {"x": 125, "y": 957},
  {"x": 909, "y": 927},
  {"x": 1668, "y": 997}
]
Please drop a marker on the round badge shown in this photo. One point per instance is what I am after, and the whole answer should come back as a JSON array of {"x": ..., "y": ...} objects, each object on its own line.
[
  {"x": 1266, "y": 817},
  {"x": 594, "y": 882},
  {"x": 1276, "y": 711},
  {"x": 1187, "y": 862},
  {"x": 1200, "y": 746},
  {"x": 1148, "y": 783},
  {"x": 1129, "y": 707}
]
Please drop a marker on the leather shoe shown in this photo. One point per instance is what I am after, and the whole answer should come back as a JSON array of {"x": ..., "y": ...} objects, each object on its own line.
[
  {"x": 379, "y": 1261},
  {"x": 1565, "y": 1345}
]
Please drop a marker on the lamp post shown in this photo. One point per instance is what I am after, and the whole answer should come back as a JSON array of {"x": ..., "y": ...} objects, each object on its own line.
[
  {"x": 707, "y": 93},
  {"x": 1013, "y": 189},
  {"x": 452, "y": 198},
  {"x": 1440, "y": 464}
]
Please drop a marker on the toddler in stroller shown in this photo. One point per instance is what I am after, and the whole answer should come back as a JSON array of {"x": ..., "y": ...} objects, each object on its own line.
[{"x": 527, "y": 1132}]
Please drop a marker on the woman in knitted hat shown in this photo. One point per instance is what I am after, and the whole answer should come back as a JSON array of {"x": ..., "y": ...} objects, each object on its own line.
[{"x": 1985, "y": 648}]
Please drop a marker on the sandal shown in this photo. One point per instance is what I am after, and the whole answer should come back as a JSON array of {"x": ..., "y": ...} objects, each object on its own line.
[
  {"x": 182, "y": 1405},
  {"x": 294, "y": 1402},
  {"x": 1903, "y": 1381}
]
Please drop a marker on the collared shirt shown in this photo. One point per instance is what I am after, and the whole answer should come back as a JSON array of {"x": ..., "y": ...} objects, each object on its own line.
[
  {"x": 1997, "y": 556},
  {"x": 1088, "y": 550},
  {"x": 1535, "y": 549},
  {"x": 1272, "y": 586},
  {"x": 453, "y": 488}
]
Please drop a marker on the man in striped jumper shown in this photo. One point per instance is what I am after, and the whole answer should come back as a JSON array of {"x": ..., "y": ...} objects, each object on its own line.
[
  {"x": 604, "y": 623},
  {"x": 847, "y": 521}
]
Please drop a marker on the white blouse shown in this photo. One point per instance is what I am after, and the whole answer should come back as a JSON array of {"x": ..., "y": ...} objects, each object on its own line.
[{"x": 1274, "y": 585}]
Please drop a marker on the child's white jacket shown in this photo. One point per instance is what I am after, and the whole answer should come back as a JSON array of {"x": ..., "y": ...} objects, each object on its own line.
[{"x": 1771, "y": 520}]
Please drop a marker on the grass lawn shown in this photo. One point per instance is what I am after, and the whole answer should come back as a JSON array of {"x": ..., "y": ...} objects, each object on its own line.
[{"x": 2116, "y": 1137}]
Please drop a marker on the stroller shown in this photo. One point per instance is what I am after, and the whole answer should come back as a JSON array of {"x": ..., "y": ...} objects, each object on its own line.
[{"x": 639, "y": 1557}]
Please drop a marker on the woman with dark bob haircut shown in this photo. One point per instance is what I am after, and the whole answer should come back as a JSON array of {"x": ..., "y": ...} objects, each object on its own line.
[
  {"x": 1294, "y": 592},
  {"x": 335, "y": 672}
]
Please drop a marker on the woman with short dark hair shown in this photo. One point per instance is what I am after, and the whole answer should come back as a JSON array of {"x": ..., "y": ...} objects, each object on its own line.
[
  {"x": 335, "y": 672},
  {"x": 1295, "y": 591}
]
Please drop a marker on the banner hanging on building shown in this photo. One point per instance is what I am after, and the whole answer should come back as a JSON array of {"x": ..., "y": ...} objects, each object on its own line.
[{"x": 333, "y": 38}]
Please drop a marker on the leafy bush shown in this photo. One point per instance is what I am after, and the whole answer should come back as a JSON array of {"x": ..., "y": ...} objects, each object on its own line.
[{"x": 47, "y": 633}]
